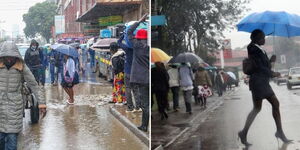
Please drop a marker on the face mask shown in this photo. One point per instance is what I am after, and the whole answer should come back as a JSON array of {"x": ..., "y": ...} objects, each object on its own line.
[
  {"x": 10, "y": 63},
  {"x": 33, "y": 47}
]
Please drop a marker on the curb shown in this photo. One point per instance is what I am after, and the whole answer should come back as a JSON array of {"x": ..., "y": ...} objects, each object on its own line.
[
  {"x": 212, "y": 107},
  {"x": 132, "y": 127}
]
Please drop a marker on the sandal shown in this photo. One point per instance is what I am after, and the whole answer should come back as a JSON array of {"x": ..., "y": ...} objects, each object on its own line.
[{"x": 69, "y": 102}]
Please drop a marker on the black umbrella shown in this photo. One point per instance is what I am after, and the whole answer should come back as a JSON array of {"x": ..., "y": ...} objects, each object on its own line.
[{"x": 186, "y": 58}]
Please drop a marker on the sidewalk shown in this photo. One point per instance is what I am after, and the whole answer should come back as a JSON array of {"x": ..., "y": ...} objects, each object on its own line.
[
  {"x": 165, "y": 132},
  {"x": 131, "y": 120}
]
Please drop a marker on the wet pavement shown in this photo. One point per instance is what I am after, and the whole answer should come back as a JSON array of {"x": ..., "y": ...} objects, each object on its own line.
[
  {"x": 220, "y": 128},
  {"x": 88, "y": 125},
  {"x": 164, "y": 132}
]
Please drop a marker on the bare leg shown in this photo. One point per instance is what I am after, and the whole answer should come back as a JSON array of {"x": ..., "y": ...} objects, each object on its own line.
[
  {"x": 277, "y": 118},
  {"x": 256, "y": 109},
  {"x": 71, "y": 94}
]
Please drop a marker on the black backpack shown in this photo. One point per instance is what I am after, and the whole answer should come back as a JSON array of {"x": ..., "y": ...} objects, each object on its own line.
[{"x": 119, "y": 63}]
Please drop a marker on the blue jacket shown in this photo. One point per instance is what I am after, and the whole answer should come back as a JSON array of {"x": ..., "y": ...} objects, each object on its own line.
[
  {"x": 128, "y": 55},
  {"x": 186, "y": 76}
]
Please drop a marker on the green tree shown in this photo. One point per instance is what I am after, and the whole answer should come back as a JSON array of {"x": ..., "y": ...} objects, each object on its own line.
[
  {"x": 39, "y": 20},
  {"x": 197, "y": 25}
]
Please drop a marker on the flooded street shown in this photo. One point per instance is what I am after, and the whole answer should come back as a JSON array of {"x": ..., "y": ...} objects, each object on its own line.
[
  {"x": 219, "y": 130},
  {"x": 87, "y": 125}
]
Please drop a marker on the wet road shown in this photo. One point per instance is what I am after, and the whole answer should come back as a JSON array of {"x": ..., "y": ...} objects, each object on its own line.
[
  {"x": 87, "y": 125},
  {"x": 220, "y": 128}
]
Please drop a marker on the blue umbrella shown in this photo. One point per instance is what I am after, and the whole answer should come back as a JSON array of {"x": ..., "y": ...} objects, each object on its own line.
[
  {"x": 65, "y": 49},
  {"x": 272, "y": 23}
]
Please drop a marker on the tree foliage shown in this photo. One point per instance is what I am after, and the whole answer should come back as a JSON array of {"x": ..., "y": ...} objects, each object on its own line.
[
  {"x": 197, "y": 25},
  {"x": 39, "y": 20}
]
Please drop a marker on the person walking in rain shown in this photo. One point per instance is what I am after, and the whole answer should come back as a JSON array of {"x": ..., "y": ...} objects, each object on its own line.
[
  {"x": 12, "y": 72},
  {"x": 139, "y": 77},
  {"x": 260, "y": 87},
  {"x": 202, "y": 79},
  {"x": 160, "y": 87},
  {"x": 127, "y": 71},
  {"x": 44, "y": 58},
  {"x": 219, "y": 83},
  {"x": 33, "y": 59},
  {"x": 83, "y": 54},
  {"x": 174, "y": 85},
  {"x": 117, "y": 61},
  {"x": 186, "y": 83},
  {"x": 69, "y": 78}
]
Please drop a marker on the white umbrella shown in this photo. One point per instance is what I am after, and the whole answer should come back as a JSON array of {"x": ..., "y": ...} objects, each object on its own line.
[{"x": 232, "y": 75}]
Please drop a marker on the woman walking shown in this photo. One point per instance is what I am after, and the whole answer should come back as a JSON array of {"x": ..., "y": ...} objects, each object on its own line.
[
  {"x": 70, "y": 78},
  {"x": 202, "y": 79},
  {"x": 160, "y": 87},
  {"x": 260, "y": 87}
]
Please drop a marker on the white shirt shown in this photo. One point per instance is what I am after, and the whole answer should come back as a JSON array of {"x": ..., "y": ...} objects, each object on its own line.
[
  {"x": 70, "y": 67},
  {"x": 261, "y": 48}
]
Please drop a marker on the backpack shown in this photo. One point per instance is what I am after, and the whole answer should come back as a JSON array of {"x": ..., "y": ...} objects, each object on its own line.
[
  {"x": 119, "y": 62},
  {"x": 249, "y": 66}
]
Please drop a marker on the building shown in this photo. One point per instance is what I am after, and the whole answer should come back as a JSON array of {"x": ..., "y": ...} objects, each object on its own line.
[{"x": 86, "y": 17}]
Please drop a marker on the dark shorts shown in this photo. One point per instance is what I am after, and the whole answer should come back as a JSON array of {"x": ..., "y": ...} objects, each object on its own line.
[{"x": 67, "y": 85}]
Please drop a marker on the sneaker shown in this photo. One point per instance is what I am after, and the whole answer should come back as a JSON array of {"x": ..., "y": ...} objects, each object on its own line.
[
  {"x": 138, "y": 110},
  {"x": 119, "y": 104},
  {"x": 129, "y": 110},
  {"x": 143, "y": 128}
]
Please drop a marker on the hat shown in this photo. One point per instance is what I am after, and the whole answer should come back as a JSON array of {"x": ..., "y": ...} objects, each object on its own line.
[{"x": 141, "y": 34}]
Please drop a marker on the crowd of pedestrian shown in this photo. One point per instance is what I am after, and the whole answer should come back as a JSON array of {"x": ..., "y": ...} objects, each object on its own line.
[
  {"x": 198, "y": 83},
  {"x": 131, "y": 71}
]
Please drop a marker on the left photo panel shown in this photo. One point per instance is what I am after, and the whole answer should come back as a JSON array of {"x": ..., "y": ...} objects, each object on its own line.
[{"x": 74, "y": 74}]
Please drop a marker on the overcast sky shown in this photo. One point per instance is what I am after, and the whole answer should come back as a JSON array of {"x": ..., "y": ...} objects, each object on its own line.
[
  {"x": 239, "y": 39},
  {"x": 11, "y": 12}
]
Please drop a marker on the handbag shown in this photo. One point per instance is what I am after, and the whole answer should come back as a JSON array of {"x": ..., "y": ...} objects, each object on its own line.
[
  {"x": 249, "y": 66},
  {"x": 30, "y": 102}
]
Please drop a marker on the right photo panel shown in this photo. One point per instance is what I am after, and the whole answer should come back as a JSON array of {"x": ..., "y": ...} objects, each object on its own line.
[{"x": 225, "y": 75}]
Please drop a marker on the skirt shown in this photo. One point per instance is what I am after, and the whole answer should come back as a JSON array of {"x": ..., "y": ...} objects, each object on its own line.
[{"x": 119, "y": 88}]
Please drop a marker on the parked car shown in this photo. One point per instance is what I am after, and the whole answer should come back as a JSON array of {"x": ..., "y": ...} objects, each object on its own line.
[
  {"x": 293, "y": 77},
  {"x": 283, "y": 78}
]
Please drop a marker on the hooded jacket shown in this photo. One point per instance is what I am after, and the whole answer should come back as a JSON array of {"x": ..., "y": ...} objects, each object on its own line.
[
  {"x": 11, "y": 102},
  {"x": 114, "y": 61},
  {"x": 33, "y": 57}
]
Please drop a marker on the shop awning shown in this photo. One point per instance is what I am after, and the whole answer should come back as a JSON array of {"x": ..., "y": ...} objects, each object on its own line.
[{"x": 102, "y": 9}]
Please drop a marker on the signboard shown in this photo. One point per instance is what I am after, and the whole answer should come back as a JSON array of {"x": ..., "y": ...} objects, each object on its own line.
[
  {"x": 59, "y": 22},
  {"x": 158, "y": 20},
  {"x": 110, "y": 20},
  {"x": 105, "y": 33}
]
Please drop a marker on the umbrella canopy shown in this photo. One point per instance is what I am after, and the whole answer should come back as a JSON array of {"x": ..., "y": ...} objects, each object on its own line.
[
  {"x": 74, "y": 45},
  {"x": 186, "y": 58},
  {"x": 104, "y": 43},
  {"x": 65, "y": 49},
  {"x": 157, "y": 55},
  {"x": 231, "y": 74},
  {"x": 272, "y": 23}
]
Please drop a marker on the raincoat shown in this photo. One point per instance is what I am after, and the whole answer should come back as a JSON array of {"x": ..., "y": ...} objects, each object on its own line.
[{"x": 11, "y": 102}]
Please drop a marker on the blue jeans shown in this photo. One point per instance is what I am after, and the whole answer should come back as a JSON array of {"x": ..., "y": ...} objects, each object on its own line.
[
  {"x": 8, "y": 141},
  {"x": 52, "y": 72}
]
